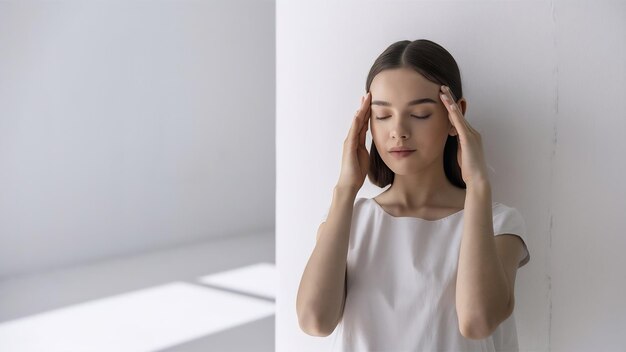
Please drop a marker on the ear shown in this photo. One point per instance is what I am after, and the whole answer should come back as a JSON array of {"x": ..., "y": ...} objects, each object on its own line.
[{"x": 463, "y": 104}]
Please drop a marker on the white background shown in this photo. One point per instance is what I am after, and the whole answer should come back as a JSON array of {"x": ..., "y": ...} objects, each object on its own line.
[{"x": 545, "y": 84}]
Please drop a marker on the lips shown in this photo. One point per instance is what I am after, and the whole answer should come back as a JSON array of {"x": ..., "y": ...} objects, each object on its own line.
[
  {"x": 401, "y": 149},
  {"x": 401, "y": 154}
]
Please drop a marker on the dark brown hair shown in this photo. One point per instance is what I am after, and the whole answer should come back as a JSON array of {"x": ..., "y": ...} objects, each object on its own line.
[{"x": 436, "y": 64}]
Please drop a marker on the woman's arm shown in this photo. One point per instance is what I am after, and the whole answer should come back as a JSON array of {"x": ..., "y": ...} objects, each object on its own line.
[
  {"x": 482, "y": 288},
  {"x": 321, "y": 294}
]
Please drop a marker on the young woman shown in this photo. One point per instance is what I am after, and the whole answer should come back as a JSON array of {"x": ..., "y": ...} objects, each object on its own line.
[{"x": 430, "y": 263}]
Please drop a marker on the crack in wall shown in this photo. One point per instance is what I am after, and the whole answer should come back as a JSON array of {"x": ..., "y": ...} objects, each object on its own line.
[{"x": 555, "y": 76}]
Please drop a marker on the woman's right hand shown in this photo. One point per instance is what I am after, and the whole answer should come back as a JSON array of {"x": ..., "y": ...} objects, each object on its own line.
[{"x": 355, "y": 161}]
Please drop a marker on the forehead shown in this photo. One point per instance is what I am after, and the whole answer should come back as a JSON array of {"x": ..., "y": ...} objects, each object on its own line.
[{"x": 401, "y": 85}]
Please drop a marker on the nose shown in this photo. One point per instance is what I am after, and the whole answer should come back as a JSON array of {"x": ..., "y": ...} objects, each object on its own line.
[{"x": 402, "y": 135}]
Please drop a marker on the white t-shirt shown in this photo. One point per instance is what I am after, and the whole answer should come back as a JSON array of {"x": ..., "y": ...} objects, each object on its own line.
[{"x": 402, "y": 282}]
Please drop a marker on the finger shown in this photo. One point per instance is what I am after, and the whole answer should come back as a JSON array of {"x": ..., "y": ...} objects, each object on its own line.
[
  {"x": 363, "y": 110},
  {"x": 357, "y": 124},
  {"x": 365, "y": 119},
  {"x": 459, "y": 122},
  {"x": 364, "y": 129},
  {"x": 451, "y": 112},
  {"x": 365, "y": 105},
  {"x": 457, "y": 109}
]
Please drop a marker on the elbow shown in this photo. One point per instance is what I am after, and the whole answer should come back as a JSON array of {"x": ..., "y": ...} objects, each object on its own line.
[
  {"x": 476, "y": 329},
  {"x": 313, "y": 326},
  {"x": 311, "y": 323},
  {"x": 308, "y": 321},
  {"x": 480, "y": 327}
]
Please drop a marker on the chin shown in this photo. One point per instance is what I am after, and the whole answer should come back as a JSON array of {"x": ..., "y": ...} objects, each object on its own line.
[
  {"x": 405, "y": 169},
  {"x": 407, "y": 166}
]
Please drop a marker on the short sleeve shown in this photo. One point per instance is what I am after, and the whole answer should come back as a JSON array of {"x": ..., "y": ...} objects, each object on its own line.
[{"x": 508, "y": 220}]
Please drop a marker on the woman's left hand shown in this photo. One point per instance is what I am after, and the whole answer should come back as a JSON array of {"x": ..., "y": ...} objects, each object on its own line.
[{"x": 470, "y": 153}]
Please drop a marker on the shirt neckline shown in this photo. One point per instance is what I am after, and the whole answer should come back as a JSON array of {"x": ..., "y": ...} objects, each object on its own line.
[{"x": 376, "y": 205}]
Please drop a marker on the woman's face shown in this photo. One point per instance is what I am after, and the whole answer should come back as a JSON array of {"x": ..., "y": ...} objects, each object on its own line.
[{"x": 393, "y": 92}]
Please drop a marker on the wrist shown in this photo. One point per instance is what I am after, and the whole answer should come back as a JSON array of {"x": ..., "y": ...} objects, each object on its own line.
[
  {"x": 479, "y": 185},
  {"x": 345, "y": 191}
]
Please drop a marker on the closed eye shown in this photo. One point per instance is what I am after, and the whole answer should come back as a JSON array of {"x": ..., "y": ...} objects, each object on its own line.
[{"x": 385, "y": 117}]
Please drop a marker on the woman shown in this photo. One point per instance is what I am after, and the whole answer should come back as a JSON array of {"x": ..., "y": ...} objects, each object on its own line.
[{"x": 430, "y": 263}]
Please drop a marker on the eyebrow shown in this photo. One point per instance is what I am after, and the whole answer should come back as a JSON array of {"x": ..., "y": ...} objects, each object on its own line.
[{"x": 412, "y": 102}]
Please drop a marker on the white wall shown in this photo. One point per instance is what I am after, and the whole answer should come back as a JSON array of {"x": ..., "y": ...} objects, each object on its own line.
[
  {"x": 127, "y": 126},
  {"x": 588, "y": 195},
  {"x": 545, "y": 83}
]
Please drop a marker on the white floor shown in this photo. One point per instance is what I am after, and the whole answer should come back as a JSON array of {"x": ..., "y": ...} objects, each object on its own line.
[{"x": 213, "y": 296}]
